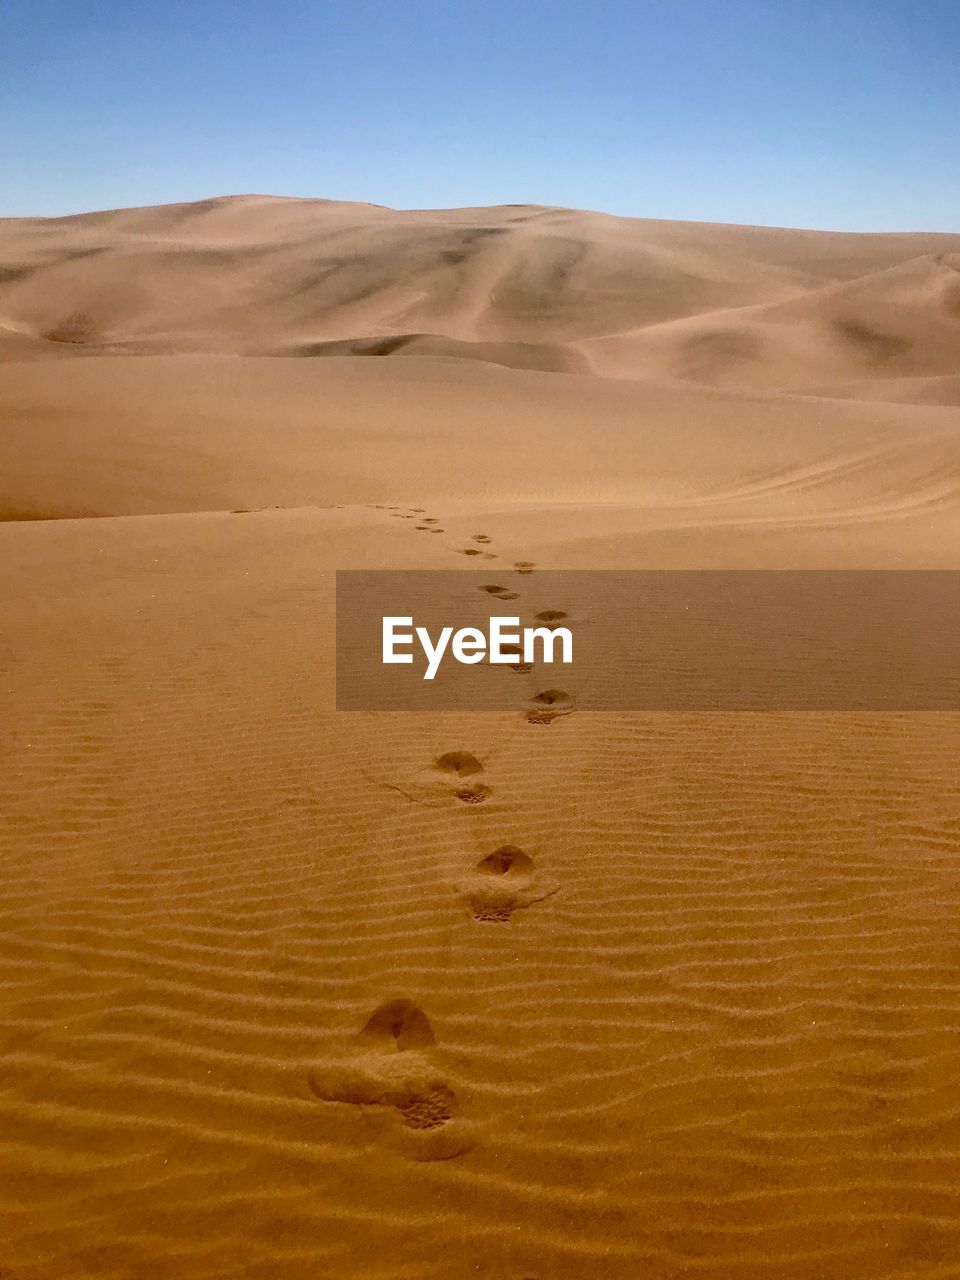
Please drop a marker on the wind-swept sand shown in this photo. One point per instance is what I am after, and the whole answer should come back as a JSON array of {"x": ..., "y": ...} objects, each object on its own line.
[{"x": 290, "y": 994}]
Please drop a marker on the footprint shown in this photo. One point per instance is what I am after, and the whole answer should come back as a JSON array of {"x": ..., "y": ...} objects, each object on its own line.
[
  {"x": 524, "y": 566},
  {"x": 515, "y": 651},
  {"x": 462, "y": 766},
  {"x": 503, "y": 882},
  {"x": 470, "y": 551},
  {"x": 481, "y": 537},
  {"x": 551, "y": 698},
  {"x": 475, "y": 794},
  {"x": 501, "y": 593},
  {"x": 551, "y": 615},
  {"x": 398, "y": 1025},
  {"x": 549, "y": 704},
  {"x": 454, "y": 777},
  {"x": 506, "y": 860},
  {"x": 391, "y": 1066},
  {"x": 462, "y": 763},
  {"x": 429, "y": 1110}
]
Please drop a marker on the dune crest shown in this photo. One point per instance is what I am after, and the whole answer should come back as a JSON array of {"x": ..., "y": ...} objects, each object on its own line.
[{"x": 525, "y": 286}]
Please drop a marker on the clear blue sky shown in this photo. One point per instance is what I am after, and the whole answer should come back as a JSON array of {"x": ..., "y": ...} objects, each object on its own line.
[{"x": 822, "y": 113}]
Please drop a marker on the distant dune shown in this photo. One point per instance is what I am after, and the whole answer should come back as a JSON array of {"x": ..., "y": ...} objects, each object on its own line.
[
  {"x": 293, "y": 994},
  {"x": 524, "y": 286}
]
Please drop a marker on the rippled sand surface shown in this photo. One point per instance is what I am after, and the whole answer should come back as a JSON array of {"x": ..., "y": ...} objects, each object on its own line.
[{"x": 542, "y": 994}]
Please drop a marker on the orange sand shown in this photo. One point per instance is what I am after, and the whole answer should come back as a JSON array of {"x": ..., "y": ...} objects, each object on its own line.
[{"x": 293, "y": 995}]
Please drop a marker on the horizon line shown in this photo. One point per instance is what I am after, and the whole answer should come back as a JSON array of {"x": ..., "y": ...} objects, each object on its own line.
[{"x": 466, "y": 208}]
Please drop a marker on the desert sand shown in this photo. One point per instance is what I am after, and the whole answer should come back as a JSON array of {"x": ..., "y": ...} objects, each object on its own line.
[{"x": 291, "y": 994}]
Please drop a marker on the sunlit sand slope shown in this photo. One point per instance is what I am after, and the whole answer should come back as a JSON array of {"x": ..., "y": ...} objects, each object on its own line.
[
  {"x": 136, "y": 435},
  {"x": 293, "y": 993},
  {"x": 520, "y": 285}
]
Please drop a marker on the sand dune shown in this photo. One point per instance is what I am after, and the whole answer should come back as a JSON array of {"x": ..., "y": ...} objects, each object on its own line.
[
  {"x": 137, "y": 435},
  {"x": 290, "y": 993},
  {"x": 901, "y": 322},
  {"x": 914, "y": 390},
  {"x": 532, "y": 287}
]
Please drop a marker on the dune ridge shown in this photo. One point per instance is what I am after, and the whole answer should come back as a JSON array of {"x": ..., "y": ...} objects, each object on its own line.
[{"x": 525, "y": 286}]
